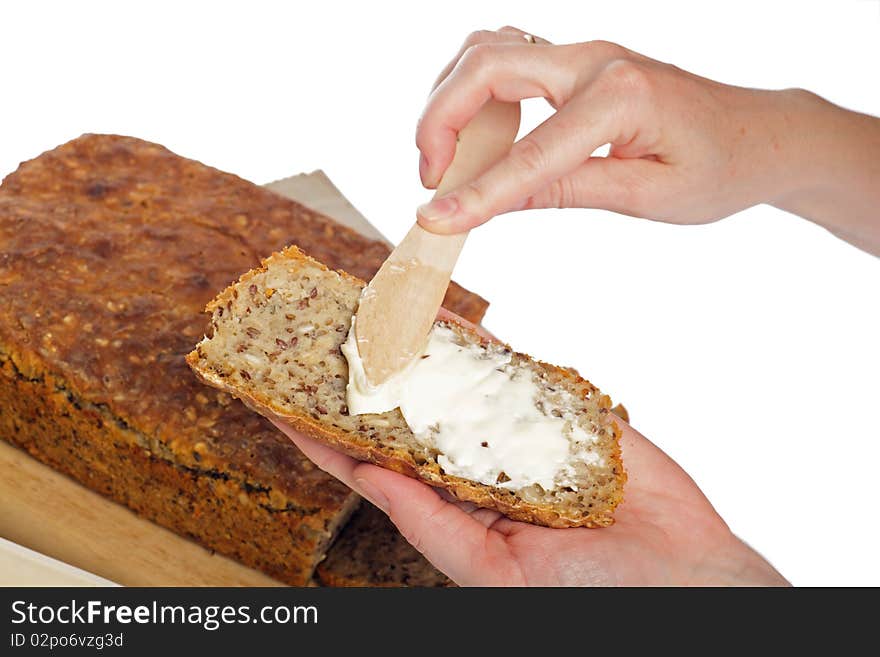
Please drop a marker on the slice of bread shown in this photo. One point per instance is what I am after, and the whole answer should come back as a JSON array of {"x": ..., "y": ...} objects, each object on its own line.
[
  {"x": 276, "y": 342},
  {"x": 371, "y": 552}
]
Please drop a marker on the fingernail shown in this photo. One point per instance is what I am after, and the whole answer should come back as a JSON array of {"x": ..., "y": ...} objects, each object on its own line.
[
  {"x": 440, "y": 208},
  {"x": 373, "y": 494}
]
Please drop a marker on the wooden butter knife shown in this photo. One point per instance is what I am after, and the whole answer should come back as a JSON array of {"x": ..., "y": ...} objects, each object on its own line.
[{"x": 399, "y": 306}]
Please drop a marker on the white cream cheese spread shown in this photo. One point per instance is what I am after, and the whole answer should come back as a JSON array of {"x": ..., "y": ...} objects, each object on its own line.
[{"x": 478, "y": 410}]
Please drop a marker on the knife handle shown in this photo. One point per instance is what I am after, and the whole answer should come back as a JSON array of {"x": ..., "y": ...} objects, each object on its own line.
[
  {"x": 481, "y": 143},
  {"x": 400, "y": 304}
]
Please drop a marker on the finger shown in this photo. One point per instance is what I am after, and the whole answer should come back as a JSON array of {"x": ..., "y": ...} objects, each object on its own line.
[
  {"x": 348, "y": 471},
  {"x": 652, "y": 474},
  {"x": 326, "y": 458},
  {"x": 451, "y": 539},
  {"x": 480, "y": 36},
  {"x": 550, "y": 152},
  {"x": 626, "y": 186},
  {"x": 527, "y": 37},
  {"x": 486, "y": 517},
  {"x": 504, "y": 71},
  {"x": 506, "y": 34}
]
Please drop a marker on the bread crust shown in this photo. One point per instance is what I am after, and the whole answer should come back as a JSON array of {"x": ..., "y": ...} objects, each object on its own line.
[
  {"x": 371, "y": 552},
  {"x": 401, "y": 461},
  {"x": 111, "y": 246},
  {"x": 55, "y": 425}
]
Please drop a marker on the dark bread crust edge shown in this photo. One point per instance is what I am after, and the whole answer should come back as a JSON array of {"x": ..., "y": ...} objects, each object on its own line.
[
  {"x": 400, "y": 461},
  {"x": 370, "y": 551},
  {"x": 45, "y": 417}
]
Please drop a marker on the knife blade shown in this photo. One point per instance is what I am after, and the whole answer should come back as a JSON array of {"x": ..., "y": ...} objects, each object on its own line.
[{"x": 400, "y": 304}]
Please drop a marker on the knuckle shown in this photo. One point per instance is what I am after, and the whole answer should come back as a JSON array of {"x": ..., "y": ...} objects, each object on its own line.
[
  {"x": 424, "y": 137},
  {"x": 510, "y": 30},
  {"x": 627, "y": 74},
  {"x": 604, "y": 49},
  {"x": 562, "y": 193},
  {"x": 324, "y": 461},
  {"x": 415, "y": 532},
  {"x": 422, "y": 145},
  {"x": 429, "y": 140},
  {"x": 529, "y": 154},
  {"x": 633, "y": 201},
  {"x": 413, "y": 537},
  {"x": 473, "y": 197},
  {"x": 477, "y": 56},
  {"x": 477, "y": 37},
  {"x": 635, "y": 194}
]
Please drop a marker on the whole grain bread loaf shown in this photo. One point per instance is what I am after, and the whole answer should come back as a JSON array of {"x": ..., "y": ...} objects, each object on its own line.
[
  {"x": 109, "y": 249},
  {"x": 276, "y": 344},
  {"x": 371, "y": 552}
]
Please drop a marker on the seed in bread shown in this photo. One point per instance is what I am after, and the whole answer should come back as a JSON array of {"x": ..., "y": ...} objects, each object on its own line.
[{"x": 276, "y": 345}]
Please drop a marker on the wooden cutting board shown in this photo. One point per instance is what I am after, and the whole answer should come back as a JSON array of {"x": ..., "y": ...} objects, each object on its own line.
[{"x": 52, "y": 514}]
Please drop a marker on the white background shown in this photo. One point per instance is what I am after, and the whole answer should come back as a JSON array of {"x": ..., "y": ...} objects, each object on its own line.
[{"x": 747, "y": 349}]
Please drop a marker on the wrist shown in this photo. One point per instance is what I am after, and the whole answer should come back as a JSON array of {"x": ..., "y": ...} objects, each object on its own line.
[
  {"x": 832, "y": 167},
  {"x": 780, "y": 148},
  {"x": 803, "y": 137}
]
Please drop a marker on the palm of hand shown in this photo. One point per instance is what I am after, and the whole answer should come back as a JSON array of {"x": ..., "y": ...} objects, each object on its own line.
[{"x": 665, "y": 533}]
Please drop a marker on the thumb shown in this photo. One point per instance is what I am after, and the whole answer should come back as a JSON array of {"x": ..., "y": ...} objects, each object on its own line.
[
  {"x": 606, "y": 183},
  {"x": 449, "y": 537},
  {"x": 550, "y": 151}
]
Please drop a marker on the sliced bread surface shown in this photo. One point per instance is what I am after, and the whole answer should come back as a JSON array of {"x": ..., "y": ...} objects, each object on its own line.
[{"x": 275, "y": 345}]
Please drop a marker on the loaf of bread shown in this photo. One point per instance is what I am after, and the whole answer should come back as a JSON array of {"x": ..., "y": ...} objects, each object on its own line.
[
  {"x": 110, "y": 247},
  {"x": 276, "y": 343},
  {"x": 371, "y": 552}
]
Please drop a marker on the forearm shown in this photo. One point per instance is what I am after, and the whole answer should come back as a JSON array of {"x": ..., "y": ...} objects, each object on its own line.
[{"x": 835, "y": 175}]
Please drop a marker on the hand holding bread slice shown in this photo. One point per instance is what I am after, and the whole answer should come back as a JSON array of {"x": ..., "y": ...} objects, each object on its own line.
[{"x": 665, "y": 533}]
